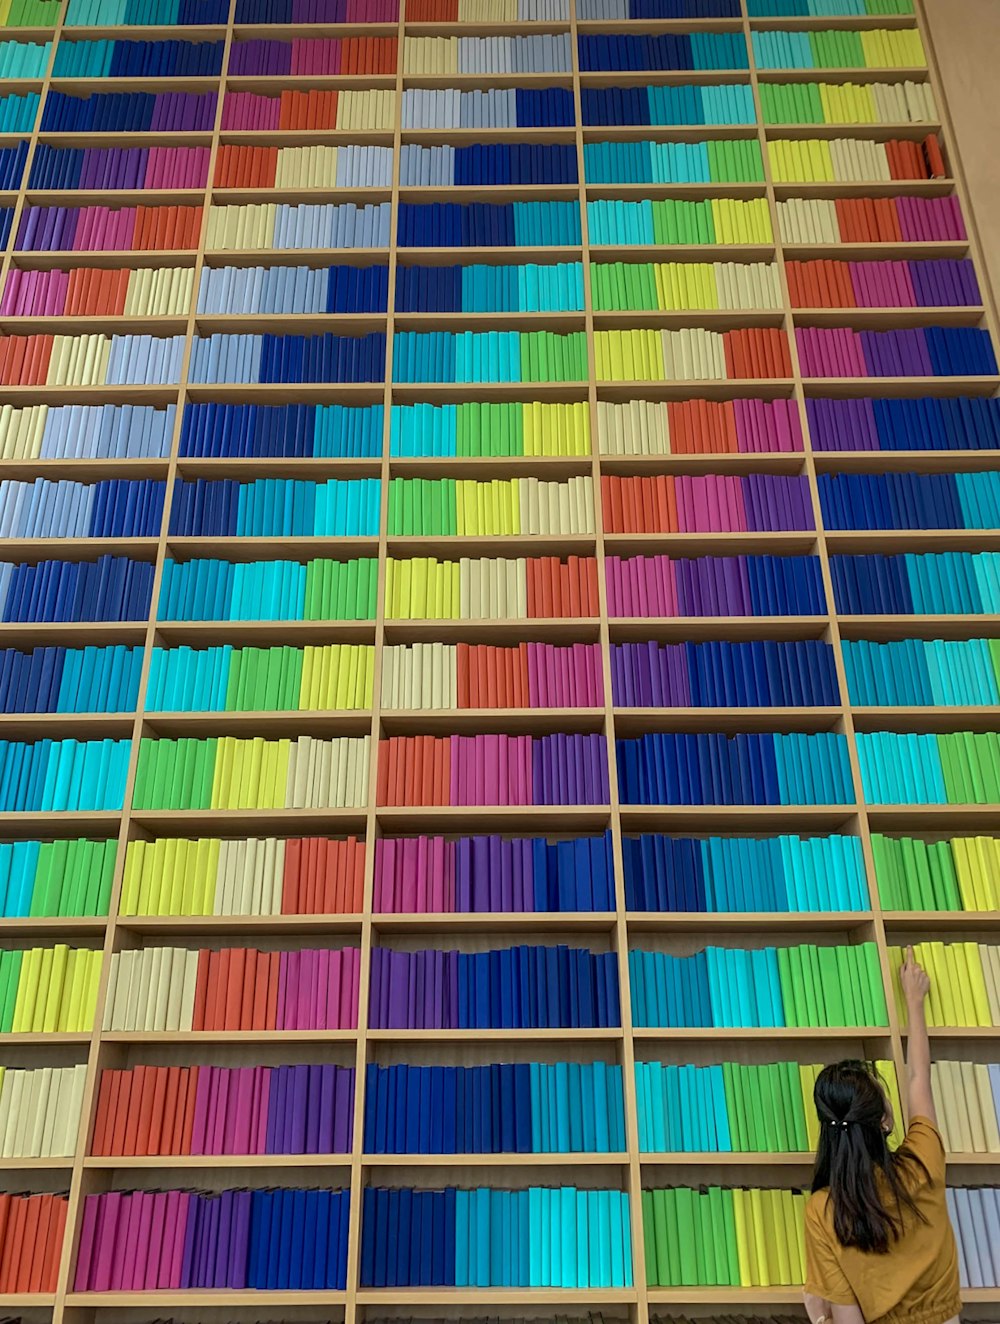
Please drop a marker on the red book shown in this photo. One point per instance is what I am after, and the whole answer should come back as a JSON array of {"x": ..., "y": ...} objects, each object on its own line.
[
  {"x": 30, "y": 1242},
  {"x": 935, "y": 158},
  {"x": 172, "y": 1109},
  {"x": 145, "y": 1141},
  {"x": 187, "y": 1094},
  {"x": 273, "y": 977},
  {"x": 11, "y": 1260},
  {"x": 107, "y": 1099},
  {"x": 248, "y": 990},
  {"x": 234, "y": 968},
  {"x": 382, "y": 779},
  {"x": 135, "y": 1098}
]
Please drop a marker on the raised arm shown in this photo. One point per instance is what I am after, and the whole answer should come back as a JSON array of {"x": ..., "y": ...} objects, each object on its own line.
[{"x": 916, "y": 985}]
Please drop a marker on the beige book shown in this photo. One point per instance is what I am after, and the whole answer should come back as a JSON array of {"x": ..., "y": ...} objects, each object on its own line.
[
  {"x": 138, "y": 986},
  {"x": 970, "y": 1096},
  {"x": 159, "y": 988},
  {"x": 31, "y": 1097},
  {"x": 186, "y": 1017},
  {"x": 119, "y": 992},
  {"x": 72, "y": 1110},
  {"x": 20, "y": 1096},
  {"x": 51, "y": 1115},
  {"x": 171, "y": 988},
  {"x": 987, "y": 1108}
]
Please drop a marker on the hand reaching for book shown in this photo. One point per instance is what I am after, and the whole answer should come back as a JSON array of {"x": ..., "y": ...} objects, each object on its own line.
[{"x": 914, "y": 978}]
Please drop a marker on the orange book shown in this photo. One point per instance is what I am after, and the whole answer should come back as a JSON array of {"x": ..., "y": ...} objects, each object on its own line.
[
  {"x": 187, "y": 1093},
  {"x": 247, "y": 1002},
  {"x": 107, "y": 1098},
  {"x": 418, "y": 771},
  {"x": 27, "y": 1244},
  {"x": 136, "y": 1100},
  {"x": 464, "y": 677},
  {"x": 53, "y": 1250},
  {"x": 159, "y": 1114},
  {"x": 201, "y": 989},
  {"x": 144, "y": 1121},
  {"x": 172, "y": 1109},
  {"x": 255, "y": 1016},
  {"x": 521, "y": 693},
  {"x": 937, "y": 169},
  {"x": 234, "y": 968},
  {"x": 734, "y": 361},
  {"x": 11, "y": 1258},
  {"x": 545, "y": 583},
  {"x": 115, "y": 1143},
  {"x": 290, "y": 877},
  {"x": 382, "y": 779},
  {"x": 271, "y": 1018},
  {"x": 33, "y": 1274},
  {"x": 215, "y": 1011},
  {"x": 318, "y": 865}
]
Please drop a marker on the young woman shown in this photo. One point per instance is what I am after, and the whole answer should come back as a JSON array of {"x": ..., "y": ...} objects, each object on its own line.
[{"x": 879, "y": 1244}]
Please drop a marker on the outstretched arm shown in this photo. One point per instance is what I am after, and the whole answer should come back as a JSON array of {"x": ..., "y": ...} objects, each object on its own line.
[{"x": 916, "y": 985}]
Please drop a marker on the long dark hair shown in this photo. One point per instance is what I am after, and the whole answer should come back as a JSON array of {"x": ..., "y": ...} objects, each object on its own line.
[{"x": 852, "y": 1152}]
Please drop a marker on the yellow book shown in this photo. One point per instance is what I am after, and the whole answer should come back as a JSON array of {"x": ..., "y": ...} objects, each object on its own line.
[
  {"x": 55, "y": 988},
  {"x": 249, "y": 760},
  {"x": 265, "y": 790},
  {"x": 954, "y": 1003},
  {"x": 624, "y": 365},
  {"x": 281, "y": 757},
  {"x": 887, "y": 1073},
  {"x": 91, "y": 979},
  {"x": 977, "y": 986},
  {"x": 135, "y": 854},
  {"x": 755, "y": 1203},
  {"x": 77, "y": 974},
  {"x": 613, "y": 368},
  {"x": 939, "y": 1002},
  {"x": 206, "y": 851},
  {"x": 352, "y": 695},
  {"x": 744, "y": 1236},
  {"x": 413, "y": 588}
]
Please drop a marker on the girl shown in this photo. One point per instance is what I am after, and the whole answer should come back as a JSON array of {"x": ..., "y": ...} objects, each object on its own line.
[{"x": 879, "y": 1244}]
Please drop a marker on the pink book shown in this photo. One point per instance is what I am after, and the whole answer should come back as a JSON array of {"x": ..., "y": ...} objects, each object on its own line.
[
  {"x": 143, "y": 1219},
  {"x": 123, "y": 1247},
  {"x": 338, "y": 991},
  {"x": 352, "y": 965},
  {"x": 242, "y": 1110},
  {"x": 490, "y": 790},
  {"x": 416, "y": 897},
  {"x": 178, "y": 1204},
  {"x": 457, "y": 778},
  {"x": 157, "y": 1225},
  {"x": 201, "y": 1098},
  {"x": 104, "y": 1242},
  {"x": 217, "y": 1133},
  {"x": 263, "y": 1108},
  {"x": 382, "y": 882},
  {"x": 92, "y": 1205}
]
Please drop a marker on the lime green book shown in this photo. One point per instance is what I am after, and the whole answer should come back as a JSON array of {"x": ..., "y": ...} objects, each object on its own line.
[
  {"x": 10, "y": 975},
  {"x": 650, "y": 1236},
  {"x": 842, "y": 994}
]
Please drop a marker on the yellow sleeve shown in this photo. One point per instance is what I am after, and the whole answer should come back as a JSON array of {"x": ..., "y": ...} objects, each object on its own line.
[
  {"x": 824, "y": 1276},
  {"x": 923, "y": 1141}
]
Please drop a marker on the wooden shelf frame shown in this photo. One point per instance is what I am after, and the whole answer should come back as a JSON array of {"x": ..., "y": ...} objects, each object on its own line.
[{"x": 619, "y": 928}]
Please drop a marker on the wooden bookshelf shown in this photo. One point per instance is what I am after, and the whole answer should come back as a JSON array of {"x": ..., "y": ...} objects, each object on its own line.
[{"x": 616, "y": 930}]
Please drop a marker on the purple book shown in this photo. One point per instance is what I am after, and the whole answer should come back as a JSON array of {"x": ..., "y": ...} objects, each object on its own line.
[
  {"x": 219, "y": 1272},
  {"x": 187, "y": 1238},
  {"x": 326, "y": 1108},
  {"x": 298, "y": 1107},
  {"x": 314, "y": 1086}
]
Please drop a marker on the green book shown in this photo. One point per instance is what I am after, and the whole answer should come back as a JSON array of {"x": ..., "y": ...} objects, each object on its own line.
[
  {"x": 831, "y": 994},
  {"x": 760, "y": 1135},
  {"x": 342, "y": 588},
  {"x": 10, "y": 973},
  {"x": 788, "y": 975},
  {"x": 649, "y": 1238},
  {"x": 685, "y": 1233},
  {"x": 783, "y": 1101},
  {"x": 849, "y": 987}
]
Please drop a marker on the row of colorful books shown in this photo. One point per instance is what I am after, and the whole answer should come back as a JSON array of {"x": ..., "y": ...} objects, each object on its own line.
[
  {"x": 966, "y": 982},
  {"x": 955, "y": 873},
  {"x": 923, "y": 672},
  {"x": 99, "y": 292}
]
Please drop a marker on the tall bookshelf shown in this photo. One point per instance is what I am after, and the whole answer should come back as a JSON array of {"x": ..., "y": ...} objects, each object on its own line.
[{"x": 616, "y": 930}]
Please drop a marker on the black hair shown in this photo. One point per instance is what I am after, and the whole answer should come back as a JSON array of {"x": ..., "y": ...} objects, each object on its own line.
[{"x": 864, "y": 1177}]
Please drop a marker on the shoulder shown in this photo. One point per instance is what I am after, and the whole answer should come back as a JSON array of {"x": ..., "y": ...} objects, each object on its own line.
[
  {"x": 923, "y": 1142},
  {"x": 818, "y": 1213}
]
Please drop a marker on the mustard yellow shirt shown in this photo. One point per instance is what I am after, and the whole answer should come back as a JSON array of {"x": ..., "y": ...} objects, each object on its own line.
[{"x": 917, "y": 1281}]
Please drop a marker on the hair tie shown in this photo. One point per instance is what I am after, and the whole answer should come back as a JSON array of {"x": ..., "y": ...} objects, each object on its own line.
[{"x": 842, "y": 1125}]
